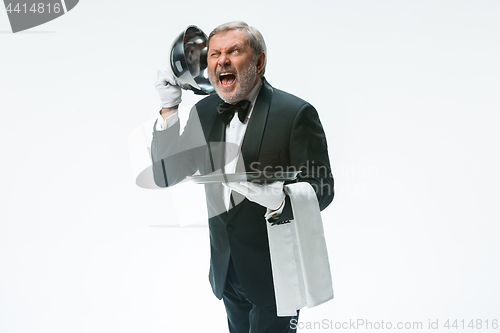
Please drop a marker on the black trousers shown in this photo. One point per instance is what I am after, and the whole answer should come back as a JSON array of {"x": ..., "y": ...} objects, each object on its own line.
[{"x": 245, "y": 317}]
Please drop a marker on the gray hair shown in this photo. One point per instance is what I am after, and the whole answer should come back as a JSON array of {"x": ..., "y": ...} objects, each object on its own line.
[{"x": 254, "y": 38}]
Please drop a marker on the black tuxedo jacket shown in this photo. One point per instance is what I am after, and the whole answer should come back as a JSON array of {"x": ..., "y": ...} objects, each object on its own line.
[{"x": 283, "y": 133}]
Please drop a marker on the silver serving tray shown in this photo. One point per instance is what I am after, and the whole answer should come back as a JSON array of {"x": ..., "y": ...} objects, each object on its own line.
[{"x": 257, "y": 177}]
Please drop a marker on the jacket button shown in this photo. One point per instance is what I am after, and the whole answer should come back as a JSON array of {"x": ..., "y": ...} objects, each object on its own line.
[{"x": 229, "y": 228}]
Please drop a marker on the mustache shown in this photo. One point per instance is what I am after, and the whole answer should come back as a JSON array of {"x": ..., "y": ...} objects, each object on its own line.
[{"x": 226, "y": 68}]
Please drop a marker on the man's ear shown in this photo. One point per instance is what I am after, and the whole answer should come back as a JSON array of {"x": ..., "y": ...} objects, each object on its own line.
[{"x": 261, "y": 60}]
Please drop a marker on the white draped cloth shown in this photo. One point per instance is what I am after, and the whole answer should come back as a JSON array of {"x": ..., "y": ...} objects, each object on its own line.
[{"x": 299, "y": 258}]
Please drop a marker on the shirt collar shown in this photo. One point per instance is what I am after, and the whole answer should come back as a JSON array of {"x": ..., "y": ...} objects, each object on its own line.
[{"x": 252, "y": 96}]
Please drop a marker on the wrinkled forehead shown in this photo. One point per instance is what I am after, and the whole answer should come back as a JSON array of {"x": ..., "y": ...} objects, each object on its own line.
[{"x": 227, "y": 39}]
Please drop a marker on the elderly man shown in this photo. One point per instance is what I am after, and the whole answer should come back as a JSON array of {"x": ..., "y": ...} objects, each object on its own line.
[{"x": 272, "y": 130}]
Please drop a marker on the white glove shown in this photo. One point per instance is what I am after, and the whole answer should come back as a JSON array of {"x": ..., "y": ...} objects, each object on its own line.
[
  {"x": 170, "y": 93},
  {"x": 270, "y": 196}
]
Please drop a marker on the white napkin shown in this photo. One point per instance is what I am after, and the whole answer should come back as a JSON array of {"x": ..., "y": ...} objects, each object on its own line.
[{"x": 299, "y": 258}]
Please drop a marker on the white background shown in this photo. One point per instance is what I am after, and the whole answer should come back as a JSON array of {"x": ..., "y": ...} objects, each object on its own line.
[{"x": 408, "y": 93}]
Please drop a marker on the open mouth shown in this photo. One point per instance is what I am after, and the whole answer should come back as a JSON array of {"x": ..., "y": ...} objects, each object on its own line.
[{"x": 227, "y": 79}]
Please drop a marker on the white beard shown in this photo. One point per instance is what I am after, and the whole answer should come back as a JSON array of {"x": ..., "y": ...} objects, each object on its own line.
[{"x": 246, "y": 81}]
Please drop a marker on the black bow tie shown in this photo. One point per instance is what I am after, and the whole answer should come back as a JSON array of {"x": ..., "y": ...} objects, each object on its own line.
[{"x": 226, "y": 111}]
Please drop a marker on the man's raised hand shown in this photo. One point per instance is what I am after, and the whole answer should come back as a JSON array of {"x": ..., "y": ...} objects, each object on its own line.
[{"x": 168, "y": 90}]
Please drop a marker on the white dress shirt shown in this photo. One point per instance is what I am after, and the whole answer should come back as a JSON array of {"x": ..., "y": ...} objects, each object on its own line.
[{"x": 235, "y": 132}]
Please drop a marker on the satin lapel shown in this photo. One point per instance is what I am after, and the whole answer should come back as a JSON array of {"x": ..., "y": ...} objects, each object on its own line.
[
  {"x": 215, "y": 142},
  {"x": 214, "y": 156},
  {"x": 250, "y": 147}
]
